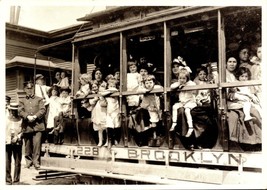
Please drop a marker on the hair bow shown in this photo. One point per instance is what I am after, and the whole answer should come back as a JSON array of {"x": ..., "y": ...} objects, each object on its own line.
[
  {"x": 185, "y": 68},
  {"x": 180, "y": 61}
]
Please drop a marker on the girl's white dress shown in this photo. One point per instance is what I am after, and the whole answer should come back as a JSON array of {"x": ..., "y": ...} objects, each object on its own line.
[
  {"x": 113, "y": 112},
  {"x": 54, "y": 109},
  {"x": 99, "y": 115},
  {"x": 133, "y": 81}
]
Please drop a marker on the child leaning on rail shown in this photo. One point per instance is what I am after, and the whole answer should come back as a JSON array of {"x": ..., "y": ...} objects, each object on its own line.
[
  {"x": 203, "y": 96},
  {"x": 85, "y": 86},
  {"x": 187, "y": 99},
  {"x": 113, "y": 110},
  {"x": 98, "y": 106}
]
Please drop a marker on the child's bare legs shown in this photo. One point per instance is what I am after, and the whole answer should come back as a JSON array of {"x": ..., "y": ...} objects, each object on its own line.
[
  {"x": 189, "y": 122},
  {"x": 246, "y": 110},
  {"x": 175, "y": 107},
  {"x": 107, "y": 140},
  {"x": 52, "y": 131},
  {"x": 100, "y": 137}
]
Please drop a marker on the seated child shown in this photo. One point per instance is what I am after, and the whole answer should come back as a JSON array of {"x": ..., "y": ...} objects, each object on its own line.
[
  {"x": 65, "y": 102},
  {"x": 151, "y": 102},
  {"x": 244, "y": 74},
  {"x": 187, "y": 99},
  {"x": 85, "y": 87},
  {"x": 203, "y": 96}
]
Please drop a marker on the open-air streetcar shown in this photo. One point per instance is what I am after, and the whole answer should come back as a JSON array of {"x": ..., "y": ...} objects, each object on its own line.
[{"x": 202, "y": 35}]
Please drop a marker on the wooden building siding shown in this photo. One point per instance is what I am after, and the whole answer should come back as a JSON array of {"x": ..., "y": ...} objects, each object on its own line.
[
  {"x": 13, "y": 50},
  {"x": 11, "y": 80},
  {"x": 11, "y": 85}
]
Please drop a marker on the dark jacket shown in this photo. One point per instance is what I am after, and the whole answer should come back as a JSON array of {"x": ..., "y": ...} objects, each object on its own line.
[{"x": 32, "y": 106}]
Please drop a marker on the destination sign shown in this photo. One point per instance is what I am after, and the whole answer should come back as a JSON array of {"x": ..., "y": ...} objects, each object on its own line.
[{"x": 163, "y": 155}]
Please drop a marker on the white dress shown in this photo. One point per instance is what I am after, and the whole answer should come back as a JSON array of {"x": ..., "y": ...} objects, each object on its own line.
[
  {"x": 99, "y": 116},
  {"x": 54, "y": 109},
  {"x": 113, "y": 111},
  {"x": 133, "y": 81}
]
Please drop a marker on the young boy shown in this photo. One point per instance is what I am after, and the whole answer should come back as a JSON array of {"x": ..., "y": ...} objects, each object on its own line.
[
  {"x": 13, "y": 143},
  {"x": 151, "y": 102}
]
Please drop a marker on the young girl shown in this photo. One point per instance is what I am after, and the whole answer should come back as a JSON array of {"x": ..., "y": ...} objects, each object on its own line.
[
  {"x": 143, "y": 71},
  {"x": 151, "y": 102},
  {"x": 64, "y": 83},
  {"x": 244, "y": 74},
  {"x": 187, "y": 99},
  {"x": 133, "y": 82},
  {"x": 98, "y": 105},
  {"x": 54, "y": 108},
  {"x": 256, "y": 72},
  {"x": 113, "y": 111},
  {"x": 203, "y": 96},
  {"x": 65, "y": 102},
  {"x": 85, "y": 87}
]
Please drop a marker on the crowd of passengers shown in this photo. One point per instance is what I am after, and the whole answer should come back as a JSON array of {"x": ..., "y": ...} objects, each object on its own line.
[{"x": 243, "y": 103}]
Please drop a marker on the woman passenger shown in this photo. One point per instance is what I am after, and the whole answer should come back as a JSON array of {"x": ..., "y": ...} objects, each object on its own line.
[
  {"x": 239, "y": 131},
  {"x": 97, "y": 77}
]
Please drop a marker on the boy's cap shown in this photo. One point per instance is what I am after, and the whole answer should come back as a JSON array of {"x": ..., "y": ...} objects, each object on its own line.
[
  {"x": 28, "y": 84},
  {"x": 13, "y": 106}
]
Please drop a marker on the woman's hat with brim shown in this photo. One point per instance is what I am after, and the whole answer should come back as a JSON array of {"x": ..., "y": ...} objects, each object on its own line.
[
  {"x": 13, "y": 106},
  {"x": 39, "y": 76}
]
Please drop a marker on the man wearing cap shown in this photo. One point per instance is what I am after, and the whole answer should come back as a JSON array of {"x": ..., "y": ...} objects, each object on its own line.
[
  {"x": 32, "y": 111},
  {"x": 41, "y": 89},
  {"x": 13, "y": 143}
]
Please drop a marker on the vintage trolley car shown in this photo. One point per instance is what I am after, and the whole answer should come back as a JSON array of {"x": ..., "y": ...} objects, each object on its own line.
[{"x": 202, "y": 36}]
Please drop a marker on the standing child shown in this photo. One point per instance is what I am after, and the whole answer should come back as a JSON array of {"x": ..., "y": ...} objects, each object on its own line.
[
  {"x": 117, "y": 76},
  {"x": 54, "y": 109},
  {"x": 151, "y": 102},
  {"x": 256, "y": 72},
  {"x": 113, "y": 112},
  {"x": 187, "y": 99},
  {"x": 203, "y": 96},
  {"x": 133, "y": 82},
  {"x": 64, "y": 83},
  {"x": 13, "y": 143},
  {"x": 65, "y": 112},
  {"x": 98, "y": 106},
  {"x": 143, "y": 71},
  {"x": 244, "y": 74}
]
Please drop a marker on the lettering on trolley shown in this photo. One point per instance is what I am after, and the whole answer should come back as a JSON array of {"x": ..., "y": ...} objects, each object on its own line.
[
  {"x": 87, "y": 151},
  {"x": 217, "y": 158}
]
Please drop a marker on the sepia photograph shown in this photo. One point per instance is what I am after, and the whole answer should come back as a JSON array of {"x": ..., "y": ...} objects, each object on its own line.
[{"x": 134, "y": 96}]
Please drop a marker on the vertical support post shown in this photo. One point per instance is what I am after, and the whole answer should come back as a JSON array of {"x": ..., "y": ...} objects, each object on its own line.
[
  {"x": 75, "y": 71},
  {"x": 223, "y": 137},
  {"x": 123, "y": 87},
  {"x": 167, "y": 81},
  {"x": 167, "y": 65}
]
